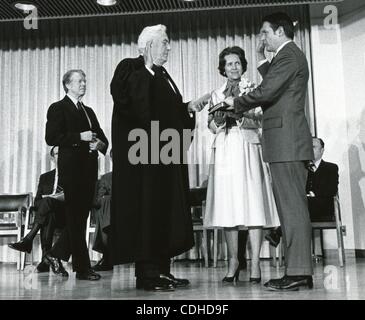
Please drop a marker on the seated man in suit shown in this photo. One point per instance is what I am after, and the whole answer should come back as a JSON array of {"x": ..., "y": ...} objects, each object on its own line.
[
  {"x": 49, "y": 214},
  {"x": 102, "y": 220},
  {"x": 322, "y": 186}
]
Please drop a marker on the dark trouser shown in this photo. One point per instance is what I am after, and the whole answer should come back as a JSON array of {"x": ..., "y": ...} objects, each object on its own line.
[
  {"x": 50, "y": 215},
  {"x": 289, "y": 181},
  {"x": 242, "y": 242},
  {"x": 102, "y": 226},
  {"x": 152, "y": 269},
  {"x": 78, "y": 197}
]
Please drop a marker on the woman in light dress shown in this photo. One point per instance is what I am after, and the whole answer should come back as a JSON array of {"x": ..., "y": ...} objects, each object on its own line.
[{"x": 239, "y": 186}]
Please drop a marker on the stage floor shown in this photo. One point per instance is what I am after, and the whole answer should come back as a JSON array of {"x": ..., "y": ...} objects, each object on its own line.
[{"x": 330, "y": 282}]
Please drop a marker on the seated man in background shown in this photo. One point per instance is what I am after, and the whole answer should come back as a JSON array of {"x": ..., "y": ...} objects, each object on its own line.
[
  {"x": 49, "y": 213},
  {"x": 102, "y": 219},
  {"x": 322, "y": 186}
]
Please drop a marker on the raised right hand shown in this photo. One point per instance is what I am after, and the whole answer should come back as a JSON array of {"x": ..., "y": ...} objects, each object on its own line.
[{"x": 87, "y": 136}]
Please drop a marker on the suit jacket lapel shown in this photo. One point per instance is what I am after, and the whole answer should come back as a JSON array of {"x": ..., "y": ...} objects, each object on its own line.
[
  {"x": 70, "y": 105},
  {"x": 172, "y": 82}
]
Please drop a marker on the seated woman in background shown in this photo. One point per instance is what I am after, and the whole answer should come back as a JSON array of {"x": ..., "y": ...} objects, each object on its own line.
[{"x": 239, "y": 186}]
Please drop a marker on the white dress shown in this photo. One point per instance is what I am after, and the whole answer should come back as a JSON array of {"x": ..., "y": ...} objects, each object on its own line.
[{"x": 239, "y": 185}]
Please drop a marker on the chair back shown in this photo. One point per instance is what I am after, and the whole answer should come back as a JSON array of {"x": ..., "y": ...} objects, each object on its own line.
[{"x": 15, "y": 202}]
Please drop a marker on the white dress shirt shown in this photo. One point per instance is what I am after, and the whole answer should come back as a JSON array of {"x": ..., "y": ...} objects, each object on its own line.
[{"x": 55, "y": 182}]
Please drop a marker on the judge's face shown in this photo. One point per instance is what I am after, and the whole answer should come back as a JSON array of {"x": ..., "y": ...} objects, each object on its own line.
[
  {"x": 77, "y": 85},
  {"x": 160, "y": 49},
  {"x": 233, "y": 67},
  {"x": 317, "y": 150},
  {"x": 270, "y": 38}
]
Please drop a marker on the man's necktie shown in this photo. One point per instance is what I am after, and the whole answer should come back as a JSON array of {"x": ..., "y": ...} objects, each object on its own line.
[
  {"x": 162, "y": 73},
  {"x": 79, "y": 106}
]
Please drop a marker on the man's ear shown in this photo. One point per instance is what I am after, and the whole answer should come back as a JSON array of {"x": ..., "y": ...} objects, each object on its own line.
[{"x": 280, "y": 31}]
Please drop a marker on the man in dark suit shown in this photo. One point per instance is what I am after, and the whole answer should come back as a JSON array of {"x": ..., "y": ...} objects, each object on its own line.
[
  {"x": 75, "y": 129},
  {"x": 49, "y": 214},
  {"x": 150, "y": 216},
  {"x": 322, "y": 185},
  {"x": 286, "y": 142},
  {"x": 101, "y": 211}
]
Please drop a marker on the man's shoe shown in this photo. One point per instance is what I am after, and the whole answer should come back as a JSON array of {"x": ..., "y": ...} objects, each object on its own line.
[
  {"x": 155, "y": 284},
  {"x": 56, "y": 265},
  {"x": 176, "y": 282},
  {"x": 42, "y": 267},
  {"x": 88, "y": 275},
  {"x": 290, "y": 283},
  {"x": 23, "y": 245},
  {"x": 102, "y": 265},
  {"x": 273, "y": 237}
]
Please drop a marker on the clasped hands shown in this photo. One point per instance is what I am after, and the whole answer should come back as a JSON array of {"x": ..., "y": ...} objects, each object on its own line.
[{"x": 95, "y": 143}]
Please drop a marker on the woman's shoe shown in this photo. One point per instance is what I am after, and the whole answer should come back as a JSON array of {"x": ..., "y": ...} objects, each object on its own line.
[{"x": 235, "y": 277}]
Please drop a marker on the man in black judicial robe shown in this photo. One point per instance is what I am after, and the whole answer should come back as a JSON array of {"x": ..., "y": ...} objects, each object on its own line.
[{"x": 150, "y": 214}]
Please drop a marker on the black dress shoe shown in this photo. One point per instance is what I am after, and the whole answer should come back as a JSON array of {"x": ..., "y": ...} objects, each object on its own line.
[
  {"x": 102, "y": 265},
  {"x": 42, "y": 267},
  {"x": 88, "y": 275},
  {"x": 23, "y": 245},
  {"x": 290, "y": 283},
  {"x": 155, "y": 284},
  {"x": 56, "y": 265},
  {"x": 176, "y": 282}
]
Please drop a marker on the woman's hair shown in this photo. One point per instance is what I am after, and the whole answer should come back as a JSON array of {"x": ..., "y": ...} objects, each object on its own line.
[{"x": 231, "y": 50}]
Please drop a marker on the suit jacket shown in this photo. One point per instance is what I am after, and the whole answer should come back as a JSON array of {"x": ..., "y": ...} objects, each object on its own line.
[
  {"x": 63, "y": 128},
  {"x": 150, "y": 216},
  {"x": 282, "y": 93},
  {"x": 77, "y": 167},
  {"x": 324, "y": 184},
  {"x": 45, "y": 185}
]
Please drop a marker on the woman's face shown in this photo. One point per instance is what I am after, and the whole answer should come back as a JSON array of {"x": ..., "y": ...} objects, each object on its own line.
[{"x": 233, "y": 67}]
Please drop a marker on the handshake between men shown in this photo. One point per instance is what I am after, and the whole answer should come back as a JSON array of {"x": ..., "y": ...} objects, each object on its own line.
[{"x": 95, "y": 144}]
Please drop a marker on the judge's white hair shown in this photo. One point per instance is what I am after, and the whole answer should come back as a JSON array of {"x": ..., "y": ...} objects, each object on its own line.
[{"x": 149, "y": 33}]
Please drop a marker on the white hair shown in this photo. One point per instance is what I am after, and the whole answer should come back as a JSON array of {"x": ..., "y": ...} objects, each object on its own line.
[{"x": 149, "y": 33}]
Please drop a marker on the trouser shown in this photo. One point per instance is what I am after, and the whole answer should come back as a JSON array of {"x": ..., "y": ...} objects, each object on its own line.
[
  {"x": 242, "y": 242},
  {"x": 72, "y": 241},
  {"x": 289, "y": 181},
  {"x": 50, "y": 215},
  {"x": 152, "y": 269},
  {"x": 102, "y": 226}
]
